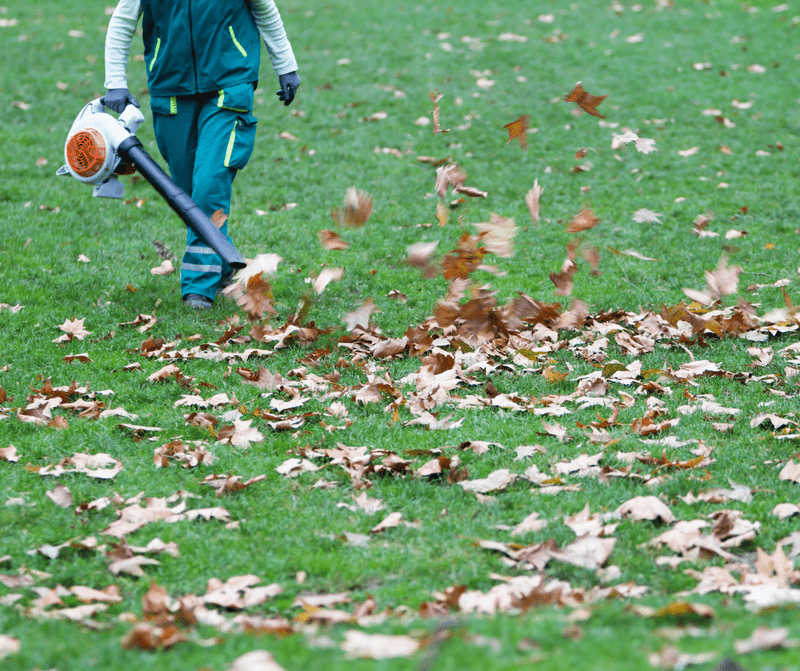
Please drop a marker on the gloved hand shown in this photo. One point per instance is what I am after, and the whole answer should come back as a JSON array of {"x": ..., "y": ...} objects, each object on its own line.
[
  {"x": 289, "y": 83},
  {"x": 118, "y": 100}
]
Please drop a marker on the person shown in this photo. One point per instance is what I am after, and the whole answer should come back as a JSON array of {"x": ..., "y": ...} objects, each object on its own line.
[{"x": 202, "y": 59}]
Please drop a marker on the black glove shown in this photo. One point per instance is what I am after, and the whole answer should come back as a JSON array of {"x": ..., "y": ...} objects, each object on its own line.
[
  {"x": 289, "y": 83},
  {"x": 118, "y": 100}
]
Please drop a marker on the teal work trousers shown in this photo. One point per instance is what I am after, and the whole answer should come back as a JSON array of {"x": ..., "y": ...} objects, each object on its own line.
[{"x": 205, "y": 143}]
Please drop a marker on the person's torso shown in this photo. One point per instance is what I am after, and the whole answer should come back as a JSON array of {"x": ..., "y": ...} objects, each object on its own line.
[{"x": 198, "y": 46}]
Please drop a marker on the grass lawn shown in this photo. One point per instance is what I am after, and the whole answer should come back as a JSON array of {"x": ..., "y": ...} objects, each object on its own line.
[{"x": 568, "y": 460}]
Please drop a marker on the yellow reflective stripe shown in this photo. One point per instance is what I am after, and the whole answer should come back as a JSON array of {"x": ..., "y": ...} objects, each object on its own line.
[
  {"x": 155, "y": 55},
  {"x": 236, "y": 42},
  {"x": 221, "y": 101},
  {"x": 231, "y": 141},
  {"x": 173, "y": 105}
]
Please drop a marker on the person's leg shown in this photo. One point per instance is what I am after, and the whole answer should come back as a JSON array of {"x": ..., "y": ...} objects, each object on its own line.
[
  {"x": 225, "y": 141},
  {"x": 175, "y": 123}
]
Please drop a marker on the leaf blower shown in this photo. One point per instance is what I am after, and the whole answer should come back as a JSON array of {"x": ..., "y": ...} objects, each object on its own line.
[{"x": 100, "y": 147}]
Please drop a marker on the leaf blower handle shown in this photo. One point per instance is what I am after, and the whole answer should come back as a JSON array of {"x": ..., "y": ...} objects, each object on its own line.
[
  {"x": 130, "y": 118},
  {"x": 132, "y": 151}
]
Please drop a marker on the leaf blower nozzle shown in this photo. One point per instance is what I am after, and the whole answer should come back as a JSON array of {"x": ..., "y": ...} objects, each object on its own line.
[{"x": 100, "y": 147}]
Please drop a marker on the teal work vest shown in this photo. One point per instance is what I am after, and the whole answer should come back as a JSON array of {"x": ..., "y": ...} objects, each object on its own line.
[{"x": 199, "y": 46}]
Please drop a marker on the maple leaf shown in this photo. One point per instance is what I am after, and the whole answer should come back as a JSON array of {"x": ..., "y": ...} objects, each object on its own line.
[
  {"x": 496, "y": 481},
  {"x": 646, "y": 216},
  {"x": 330, "y": 240},
  {"x": 498, "y": 235},
  {"x": 361, "y": 316},
  {"x": 239, "y": 434},
  {"x": 764, "y": 638},
  {"x": 256, "y": 298},
  {"x": 257, "y": 660},
  {"x": 646, "y": 508},
  {"x": 643, "y": 144},
  {"x": 389, "y": 522},
  {"x": 532, "y": 200},
  {"x": 447, "y": 176},
  {"x": 166, "y": 268},
  {"x": 587, "y": 102},
  {"x": 326, "y": 276},
  {"x": 583, "y": 221},
  {"x": 378, "y": 646},
  {"x": 518, "y": 130},
  {"x": 435, "y": 97},
  {"x": 73, "y": 330},
  {"x": 356, "y": 210},
  {"x": 419, "y": 255},
  {"x": 464, "y": 259}
]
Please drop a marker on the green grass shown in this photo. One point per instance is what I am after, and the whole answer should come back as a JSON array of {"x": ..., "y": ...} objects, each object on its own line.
[{"x": 287, "y": 526}]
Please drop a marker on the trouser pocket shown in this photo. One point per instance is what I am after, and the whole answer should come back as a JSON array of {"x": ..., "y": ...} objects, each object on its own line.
[{"x": 241, "y": 141}]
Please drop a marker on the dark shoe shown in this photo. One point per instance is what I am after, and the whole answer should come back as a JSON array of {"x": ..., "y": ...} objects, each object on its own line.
[{"x": 198, "y": 302}]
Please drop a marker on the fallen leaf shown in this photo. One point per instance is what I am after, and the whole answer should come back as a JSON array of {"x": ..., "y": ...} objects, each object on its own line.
[
  {"x": 649, "y": 508},
  {"x": 257, "y": 660},
  {"x": 764, "y": 638},
  {"x": 378, "y": 646},
  {"x": 390, "y": 521}
]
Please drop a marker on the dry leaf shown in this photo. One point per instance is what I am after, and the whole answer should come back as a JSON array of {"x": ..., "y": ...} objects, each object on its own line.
[
  {"x": 764, "y": 638},
  {"x": 166, "y": 268},
  {"x": 587, "y": 102},
  {"x": 330, "y": 240},
  {"x": 378, "y": 646},
  {"x": 356, "y": 210},
  {"x": 646, "y": 508},
  {"x": 583, "y": 221},
  {"x": 532, "y": 200},
  {"x": 326, "y": 276},
  {"x": 435, "y": 97},
  {"x": 392, "y": 520},
  {"x": 518, "y": 130},
  {"x": 257, "y": 660}
]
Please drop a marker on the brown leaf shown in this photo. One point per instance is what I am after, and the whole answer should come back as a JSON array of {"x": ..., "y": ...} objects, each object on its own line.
[
  {"x": 239, "y": 434},
  {"x": 496, "y": 481},
  {"x": 435, "y": 97},
  {"x": 9, "y": 454},
  {"x": 330, "y": 240},
  {"x": 583, "y": 221},
  {"x": 73, "y": 330},
  {"x": 166, "y": 268},
  {"x": 764, "y": 638},
  {"x": 219, "y": 218},
  {"x": 378, "y": 646},
  {"x": 61, "y": 496},
  {"x": 586, "y": 101},
  {"x": 498, "y": 235},
  {"x": 649, "y": 508},
  {"x": 532, "y": 200},
  {"x": 790, "y": 472},
  {"x": 447, "y": 176},
  {"x": 325, "y": 277},
  {"x": 9, "y": 646},
  {"x": 390, "y": 521},
  {"x": 361, "y": 316},
  {"x": 518, "y": 130},
  {"x": 257, "y": 660},
  {"x": 356, "y": 210}
]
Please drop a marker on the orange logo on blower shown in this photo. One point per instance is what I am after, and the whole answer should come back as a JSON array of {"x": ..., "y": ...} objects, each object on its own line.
[{"x": 86, "y": 152}]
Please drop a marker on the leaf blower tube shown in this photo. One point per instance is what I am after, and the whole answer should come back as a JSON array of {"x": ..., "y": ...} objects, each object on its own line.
[{"x": 131, "y": 150}]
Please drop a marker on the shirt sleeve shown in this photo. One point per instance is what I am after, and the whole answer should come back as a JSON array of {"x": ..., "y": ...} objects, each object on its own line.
[
  {"x": 270, "y": 27},
  {"x": 121, "y": 27}
]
